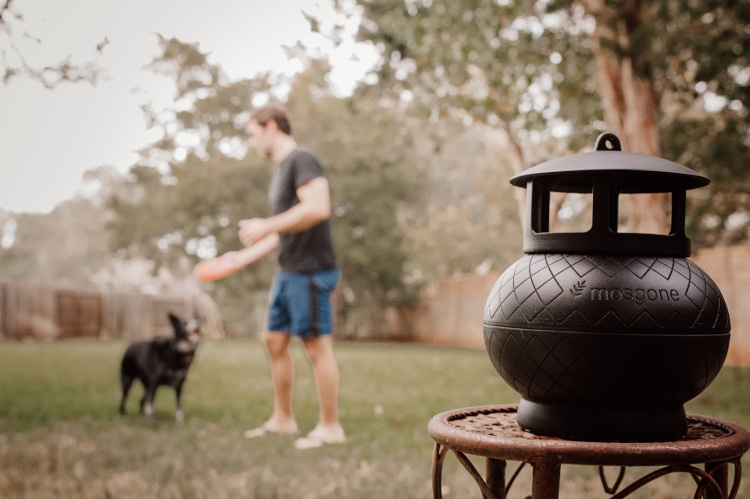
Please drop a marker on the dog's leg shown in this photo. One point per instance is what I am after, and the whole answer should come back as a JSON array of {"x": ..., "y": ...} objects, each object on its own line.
[
  {"x": 147, "y": 403},
  {"x": 127, "y": 381},
  {"x": 179, "y": 416}
]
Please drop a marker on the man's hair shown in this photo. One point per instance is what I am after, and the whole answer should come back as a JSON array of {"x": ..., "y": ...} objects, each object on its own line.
[{"x": 272, "y": 113}]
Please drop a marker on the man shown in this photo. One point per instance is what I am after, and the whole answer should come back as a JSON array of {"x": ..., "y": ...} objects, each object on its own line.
[{"x": 300, "y": 296}]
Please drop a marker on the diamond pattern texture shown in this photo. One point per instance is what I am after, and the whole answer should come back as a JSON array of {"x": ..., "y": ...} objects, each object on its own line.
[
  {"x": 612, "y": 370},
  {"x": 637, "y": 295},
  {"x": 606, "y": 330}
]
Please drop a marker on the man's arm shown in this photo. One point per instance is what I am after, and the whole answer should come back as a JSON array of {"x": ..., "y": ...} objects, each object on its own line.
[
  {"x": 256, "y": 251},
  {"x": 314, "y": 207}
]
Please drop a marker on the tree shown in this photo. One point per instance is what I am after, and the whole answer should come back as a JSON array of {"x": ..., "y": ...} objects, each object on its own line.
[
  {"x": 659, "y": 65},
  {"x": 704, "y": 72},
  {"x": 65, "y": 246},
  {"x": 509, "y": 68},
  {"x": 535, "y": 66},
  {"x": 627, "y": 89},
  {"x": 14, "y": 63},
  {"x": 466, "y": 221},
  {"x": 507, "y": 64},
  {"x": 184, "y": 196},
  {"x": 187, "y": 192}
]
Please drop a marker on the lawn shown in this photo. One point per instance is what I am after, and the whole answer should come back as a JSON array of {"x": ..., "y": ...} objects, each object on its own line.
[{"x": 61, "y": 436}]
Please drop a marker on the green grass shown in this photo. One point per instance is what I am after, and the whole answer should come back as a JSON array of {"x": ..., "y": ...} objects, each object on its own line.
[{"x": 61, "y": 436}]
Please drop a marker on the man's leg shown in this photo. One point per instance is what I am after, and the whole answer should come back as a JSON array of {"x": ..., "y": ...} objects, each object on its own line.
[
  {"x": 282, "y": 374},
  {"x": 325, "y": 369}
]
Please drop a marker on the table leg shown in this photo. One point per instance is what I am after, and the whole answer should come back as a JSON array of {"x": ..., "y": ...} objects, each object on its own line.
[
  {"x": 495, "y": 473},
  {"x": 545, "y": 481},
  {"x": 438, "y": 456},
  {"x": 720, "y": 473}
]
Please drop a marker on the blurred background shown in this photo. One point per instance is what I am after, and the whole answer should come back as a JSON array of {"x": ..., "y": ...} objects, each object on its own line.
[{"x": 123, "y": 157}]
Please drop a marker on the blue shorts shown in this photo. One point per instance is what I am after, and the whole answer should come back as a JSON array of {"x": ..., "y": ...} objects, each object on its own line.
[{"x": 301, "y": 303}]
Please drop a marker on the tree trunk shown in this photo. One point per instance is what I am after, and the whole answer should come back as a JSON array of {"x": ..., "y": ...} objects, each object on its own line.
[{"x": 631, "y": 104}]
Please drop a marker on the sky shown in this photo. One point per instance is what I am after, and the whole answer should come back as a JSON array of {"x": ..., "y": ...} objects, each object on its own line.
[{"x": 49, "y": 138}]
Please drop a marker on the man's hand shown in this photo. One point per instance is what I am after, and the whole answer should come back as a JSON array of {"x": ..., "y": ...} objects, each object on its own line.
[
  {"x": 253, "y": 230},
  {"x": 314, "y": 207}
]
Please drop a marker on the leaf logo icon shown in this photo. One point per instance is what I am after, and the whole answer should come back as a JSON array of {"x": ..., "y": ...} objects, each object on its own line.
[{"x": 578, "y": 288}]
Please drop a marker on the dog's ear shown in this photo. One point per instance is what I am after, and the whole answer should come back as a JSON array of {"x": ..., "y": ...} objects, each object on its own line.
[{"x": 175, "y": 321}]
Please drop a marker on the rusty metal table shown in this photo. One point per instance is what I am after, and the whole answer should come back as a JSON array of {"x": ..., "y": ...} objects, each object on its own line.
[{"x": 492, "y": 432}]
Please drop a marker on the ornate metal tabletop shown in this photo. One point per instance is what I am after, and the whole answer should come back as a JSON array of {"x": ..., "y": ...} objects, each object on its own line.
[{"x": 493, "y": 432}]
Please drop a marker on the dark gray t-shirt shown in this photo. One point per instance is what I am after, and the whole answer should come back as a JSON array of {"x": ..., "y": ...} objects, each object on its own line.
[{"x": 310, "y": 250}]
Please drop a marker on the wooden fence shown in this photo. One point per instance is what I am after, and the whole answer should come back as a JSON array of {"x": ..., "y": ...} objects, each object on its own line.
[
  {"x": 32, "y": 311},
  {"x": 730, "y": 269},
  {"x": 451, "y": 309}
]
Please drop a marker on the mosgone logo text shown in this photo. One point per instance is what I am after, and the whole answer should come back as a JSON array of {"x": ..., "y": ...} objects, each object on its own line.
[{"x": 639, "y": 296}]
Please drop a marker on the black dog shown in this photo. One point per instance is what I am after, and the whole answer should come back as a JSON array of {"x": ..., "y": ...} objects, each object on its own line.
[{"x": 161, "y": 361}]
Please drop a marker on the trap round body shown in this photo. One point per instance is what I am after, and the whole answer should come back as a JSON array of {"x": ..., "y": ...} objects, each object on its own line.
[{"x": 627, "y": 340}]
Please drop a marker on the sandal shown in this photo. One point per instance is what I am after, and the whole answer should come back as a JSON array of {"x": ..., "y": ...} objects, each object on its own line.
[
  {"x": 268, "y": 428},
  {"x": 319, "y": 437}
]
